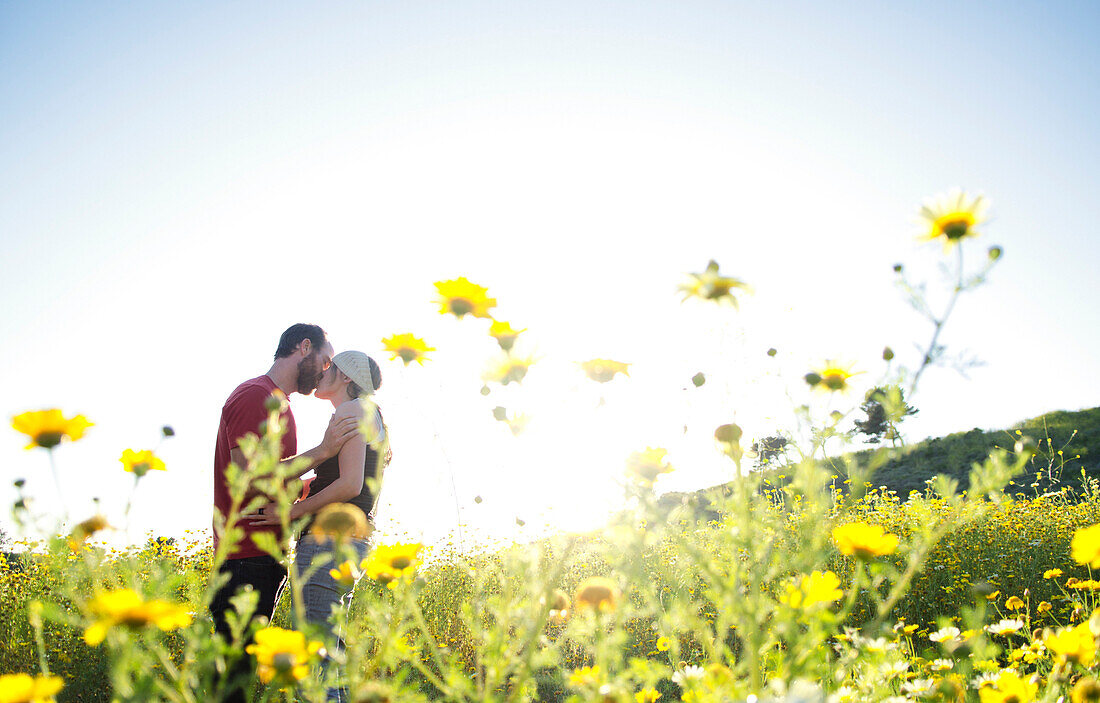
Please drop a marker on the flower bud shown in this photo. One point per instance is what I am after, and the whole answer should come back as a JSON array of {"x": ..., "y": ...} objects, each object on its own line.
[
  {"x": 995, "y": 253},
  {"x": 698, "y": 379},
  {"x": 887, "y": 353},
  {"x": 771, "y": 351},
  {"x": 897, "y": 268},
  {"x": 167, "y": 431}
]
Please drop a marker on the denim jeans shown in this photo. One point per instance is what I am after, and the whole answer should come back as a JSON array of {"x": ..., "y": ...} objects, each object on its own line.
[
  {"x": 321, "y": 593},
  {"x": 267, "y": 577}
]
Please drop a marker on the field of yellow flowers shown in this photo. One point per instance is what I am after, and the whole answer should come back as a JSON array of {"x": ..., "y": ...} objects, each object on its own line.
[{"x": 807, "y": 591}]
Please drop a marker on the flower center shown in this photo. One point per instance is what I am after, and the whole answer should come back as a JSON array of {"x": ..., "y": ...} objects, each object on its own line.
[
  {"x": 956, "y": 225},
  {"x": 461, "y": 306},
  {"x": 47, "y": 440},
  {"x": 401, "y": 563}
]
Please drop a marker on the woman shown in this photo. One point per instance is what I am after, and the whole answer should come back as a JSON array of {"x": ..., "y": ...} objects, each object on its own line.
[{"x": 352, "y": 476}]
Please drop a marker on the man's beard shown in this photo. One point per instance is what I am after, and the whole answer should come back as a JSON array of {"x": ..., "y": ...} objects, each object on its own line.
[{"x": 309, "y": 375}]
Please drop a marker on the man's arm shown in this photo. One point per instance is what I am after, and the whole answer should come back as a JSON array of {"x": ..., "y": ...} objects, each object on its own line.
[{"x": 339, "y": 431}]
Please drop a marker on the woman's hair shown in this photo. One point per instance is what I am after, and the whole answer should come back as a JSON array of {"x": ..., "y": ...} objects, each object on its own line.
[{"x": 376, "y": 375}]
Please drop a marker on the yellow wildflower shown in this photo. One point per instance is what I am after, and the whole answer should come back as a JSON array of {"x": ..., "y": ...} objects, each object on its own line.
[
  {"x": 126, "y": 608},
  {"x": 341, "y": 522},
  {"x": 1008, "y": 687},
  {"x": 811, "y": 590},
  {"x": 282, "y": 655},
  {"x": 864, "y": 541},
  {"x": 390, "y": 564},
  {"x": 952, "y": 217},
  {"x": 585, "y": 676},
  {"x": 711, "y": 285},
  {"x": 1086, "y": 690},
  {"x": 1045, "y": 607},
  {"x": 647, "y": 695},
  {"x": 86, "y": 529},
  {"x": 504, "y": 334},
  {"x": 508, "y": 369},
  {"x": 24, "y": 688},
  {"x": 1085, "y": 547},
  {"x": 646, "y": 466},
  {"x": 597, "y": 592},
  {"x": 831, "y": 376},
  {"x": 993, "y": 596},
  {"x": 47, "y": 428},
  {"x": 1075, "y": 644},
  {"x": 1014, "y": 603},
  {"x": 407, "y": 348},
  {"x": 460, "y": 297},
  {"x": 663, "y": 644},
  {"x": 557, "y": 607},
  {"x": 1052, "y": 573},
  {"x": 346, "y": 574},
  {"x": 604, "y": 370},
  {"x": 141, "y": 462}
]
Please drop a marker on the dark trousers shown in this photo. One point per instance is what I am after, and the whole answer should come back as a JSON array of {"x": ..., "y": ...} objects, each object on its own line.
[{"x": 267, "y": 577}]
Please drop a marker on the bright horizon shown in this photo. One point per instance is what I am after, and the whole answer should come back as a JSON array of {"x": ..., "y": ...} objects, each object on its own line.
[{"x": 182, "y": 184}]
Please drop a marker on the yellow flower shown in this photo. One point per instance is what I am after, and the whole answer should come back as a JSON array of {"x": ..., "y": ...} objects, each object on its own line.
[
  {"x": 407, "y": 348},
  {"x": 125, "y": 607},
  {"x": 1014, "y": 603},
  {"x": 598, "y": 593},
  {"x": 585, "y": 676},
  {"x": 1008, "y": 687},
  {"x": 711, "y": 285},
  {"x": 47, "y": 428},
  {"x": 1052, "y": 573},
  {"x": 1076, "y": 644},
  {"x": 1087, "y": 690},
  {"x": 504, "y": 334},
  {"x": 86, "y": 529},
  {"x": 647, "y": 465},
  {"x": 811, "y": 590},
  {"x": 390, "y": 564},
  {"x": 557, "y": 607},
  {"x": 282, "y": 655},
  {"x": 952, "y": 217},
  {"x": 647, "y": 695},
  {"x": 993, "y": 596},
  {"x": 141, "y": 462},
  {"x": 832, "y": 376},
  {"x": 663, "y": 643},
  {"x": 1045, "y": 607},
  {"x": 460, "y": 297},
  {"x": 341, "y": 522},
  {"x": 864, "y": 541},
  {"x": 604, "y": 370},
  {"x": 1085, "y": 547},
  {"x": 508, "y": 369},
  {"x": 346, "y": 574},
  {"x": 24, "y": 688}
]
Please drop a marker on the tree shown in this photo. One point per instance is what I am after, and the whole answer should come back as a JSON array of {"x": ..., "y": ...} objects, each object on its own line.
[
  {"x": 885, "y": 408},
  {"x": 769, "y": 449}
]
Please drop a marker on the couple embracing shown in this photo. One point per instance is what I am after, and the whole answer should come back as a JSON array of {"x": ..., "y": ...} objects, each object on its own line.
[{"x": 343, "y": 462}]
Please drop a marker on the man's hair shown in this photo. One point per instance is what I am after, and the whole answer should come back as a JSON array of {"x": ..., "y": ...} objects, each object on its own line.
[{"x": 294, "y": 336}]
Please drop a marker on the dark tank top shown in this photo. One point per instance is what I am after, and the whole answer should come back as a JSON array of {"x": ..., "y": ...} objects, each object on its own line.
[{"x": 329, "y": 470}]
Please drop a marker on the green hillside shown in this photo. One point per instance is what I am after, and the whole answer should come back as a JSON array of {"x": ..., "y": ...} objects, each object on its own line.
[{"x": 1067, "y": 441}]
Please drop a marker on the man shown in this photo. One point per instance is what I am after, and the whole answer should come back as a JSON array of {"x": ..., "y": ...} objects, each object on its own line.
[{"x": 303, "y": 355}]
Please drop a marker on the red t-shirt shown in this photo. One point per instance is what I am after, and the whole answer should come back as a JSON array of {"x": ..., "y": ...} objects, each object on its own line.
[{"x": 242, "y": 413}]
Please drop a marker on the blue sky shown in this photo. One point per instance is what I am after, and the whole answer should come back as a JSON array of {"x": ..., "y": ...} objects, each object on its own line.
[{"x": 181, "y": 182}]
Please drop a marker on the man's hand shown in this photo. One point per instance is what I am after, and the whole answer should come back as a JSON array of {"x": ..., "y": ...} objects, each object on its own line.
[
  {"x": 338, "y": 432},
  {"x": 267, "y": 515}
]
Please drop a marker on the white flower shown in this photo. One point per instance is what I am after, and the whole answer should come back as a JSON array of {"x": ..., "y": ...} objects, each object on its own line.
[
  {"x": 918, "y": 686},
  {"x": 688, "y": 674},
  {"x": 944, "y": 634},
  {"x": 894, "y": 668},
  {"x": 942, "y": 665},
  {"x": 1004, "y": 626},
  {"x": 879, "y": 644},
  {"x": 986, "y": 679}
]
